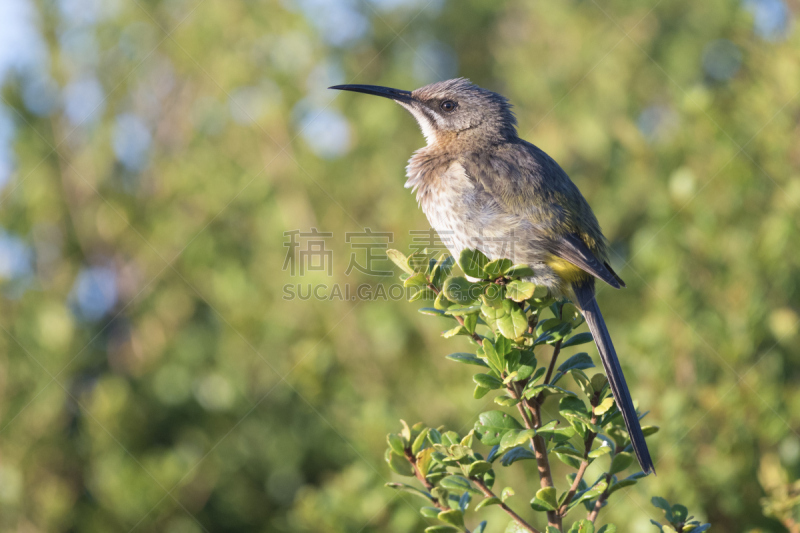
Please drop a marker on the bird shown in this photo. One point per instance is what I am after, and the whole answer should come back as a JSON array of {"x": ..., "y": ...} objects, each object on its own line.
[{"x": 483, "y": 187}]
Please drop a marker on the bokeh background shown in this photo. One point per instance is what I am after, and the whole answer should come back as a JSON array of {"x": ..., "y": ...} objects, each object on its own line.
[{"x": 154, "y": 153}]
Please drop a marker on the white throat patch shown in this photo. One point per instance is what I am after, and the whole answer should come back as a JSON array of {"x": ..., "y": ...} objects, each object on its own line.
[{"x": 425, "y": 123}]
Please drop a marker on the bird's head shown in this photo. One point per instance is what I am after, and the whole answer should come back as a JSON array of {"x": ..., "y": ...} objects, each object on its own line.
[{"x": 451, "y": 108}]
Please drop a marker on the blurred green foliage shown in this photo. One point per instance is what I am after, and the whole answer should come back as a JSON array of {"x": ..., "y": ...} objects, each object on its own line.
[{"x": 153, "y": 153}]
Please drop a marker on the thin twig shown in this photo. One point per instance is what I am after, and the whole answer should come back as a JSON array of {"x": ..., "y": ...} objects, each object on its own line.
[
  {"x": 600, "y": 501},
  {"x": 791, "y": 525},
  {"x": 518, "y": 519},
  {"x": 587, "y": 447},
  {"x": 533, "y": 421},
  {"x": 556, "y": 352},
  {"x": 477, "y": 338},
  {"x": 425, "y": 483}
]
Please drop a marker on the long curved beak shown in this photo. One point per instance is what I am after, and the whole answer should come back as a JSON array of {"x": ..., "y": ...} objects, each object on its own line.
[{"x": 386, "y": 92}]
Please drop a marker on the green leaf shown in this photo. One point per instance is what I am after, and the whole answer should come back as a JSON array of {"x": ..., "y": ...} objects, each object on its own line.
[
  {"x": 621, "y": 485},
  {"x": 498, "y": 267},
  {"x": 481, "y": 527},
  {"x": 460, "y": 291},
  {"x": 570, "y": 461},
  {"x": 458, "y": 330},
  {"x": 604, "y": 406},
  {"x": 460, "y": 310},
  {"x": 472, "y": 262},
  {"x": 619, "y": 436},
  {"x": 406, "y": 431},
  {"x": 487, "y": 381},
  {"x": 492, "y": 425},
  {"x": 568, "y": 449},
  {"x": 422, "y": 294},
  {"x": 494, "y": 357},
  {"x": 547, "y": 390},
  {"x": 429, "y": 512},
  {"x": 507, "y": 493},
  {"x": 505, "y": 400},
  {"x": 458, "y": 484},
  {"x": 441, "y": 269},
  {"x": 520, "y": 271},
  {"x": 588, "y": 494},
  {"x": 454, "y": 517},
  {"x": 491, "y": 314},
  {"x": 537, "y": 376},
  {"x": 514, "y": 438},
  {"x": 399, "y": 259},
  {"x": 582, "y": 526},
  {"x": 416, "y": 429},
  {"x": 470, "y": 323},
  {"x": 550, "y": 431},
  {"x": 479, "y": 467},
  {"x": 419, "y": 261},
  {"x": 398, "y": 463},
  {"x": 424, "y": 460},
  {"x": 516, "y": 454},
  {"x": 512, "y": 361},
  {"x": 458, "y": 451},
  {"x": 583, "y": 381},
  {"x": 620, "y": 462},
  {"x": 396, "y": 443},
  {"x": 419, "y": 441},
  {"x": 494, "y": 500},
  {"x": 493, "y": 295},
  {"x": 440, "y": 493},
  {"x": 467, "y": 358},
  {"x": 519, "y": 290},
  {"x": 450, "y": 437},
  {"x": 488, "y": 478},
  {"x": 577, "y": 339},
  {"x": 600, "y": 451},
  {"x": 441, "y": 529},
  {"x": 441, "y": 303},
  {"x": 480, "y": 392},
  {"x": 551, "y": 529},
  {"x": 555, "y": 334},
  {"x": 579, "y": 361},
  {"x": 545, "y": 500},
  {"x": 412, "y": 490},
  {"x": 599, "y": 382},
  {"x": 513, "y": 323},
  {"x": 546, "y": 325},
  {"x": 525, "y": 371},
  {"x": 650, "y": 430},
  {"x": 664, "y": 505},
  {"x": 416, "y": 280},
  {"x": 503, "y": 346},
  {"x": 608, "y": 528},
  {"x": 679, "y": 513}
]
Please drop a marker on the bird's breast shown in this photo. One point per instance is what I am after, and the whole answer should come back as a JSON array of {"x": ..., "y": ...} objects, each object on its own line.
[{"x": 465, "y": 215}]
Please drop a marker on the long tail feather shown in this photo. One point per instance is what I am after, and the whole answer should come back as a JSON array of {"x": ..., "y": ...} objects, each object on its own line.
[{"x": 622, "y": 396}]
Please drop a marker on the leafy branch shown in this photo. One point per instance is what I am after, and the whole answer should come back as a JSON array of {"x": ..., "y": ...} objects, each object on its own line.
[{"x": 511, "y": 324}]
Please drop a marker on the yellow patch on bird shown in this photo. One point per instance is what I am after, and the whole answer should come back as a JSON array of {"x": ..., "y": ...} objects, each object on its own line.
[{"x": 565, "y": 270}]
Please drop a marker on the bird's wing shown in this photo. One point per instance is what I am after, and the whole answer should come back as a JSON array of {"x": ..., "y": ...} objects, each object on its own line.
[
  {"x": 527, "y": 182},
  {"x": 571, "y": 248}
]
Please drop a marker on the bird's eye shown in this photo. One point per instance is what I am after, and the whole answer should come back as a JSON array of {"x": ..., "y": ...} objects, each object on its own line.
[{"x": 448, "y": 105}]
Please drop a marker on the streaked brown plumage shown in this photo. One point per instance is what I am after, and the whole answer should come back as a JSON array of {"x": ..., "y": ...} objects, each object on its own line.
[{"x": 483, "y": 187}]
